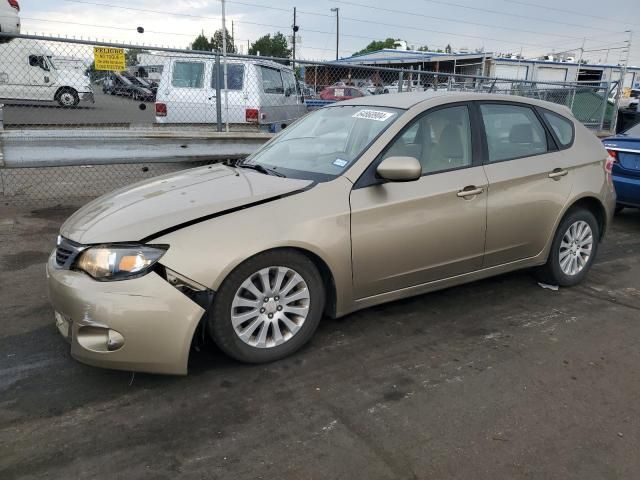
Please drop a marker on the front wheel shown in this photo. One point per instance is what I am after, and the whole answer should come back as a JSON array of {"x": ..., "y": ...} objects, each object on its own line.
[
  {"x": 68, "y": 97},
  {"x": 573, "y": 250},
  {"x": 268, "y": 307}
]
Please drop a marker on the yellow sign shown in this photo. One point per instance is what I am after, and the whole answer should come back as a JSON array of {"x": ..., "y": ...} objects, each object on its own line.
[{"x": 108, "y": 58}]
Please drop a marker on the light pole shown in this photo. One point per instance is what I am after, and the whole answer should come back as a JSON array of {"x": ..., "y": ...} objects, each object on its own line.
[{"x": 337, "y": 10}]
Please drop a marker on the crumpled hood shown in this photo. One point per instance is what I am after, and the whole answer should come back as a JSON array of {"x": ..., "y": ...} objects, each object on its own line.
[{"x": 146, "y": 208}]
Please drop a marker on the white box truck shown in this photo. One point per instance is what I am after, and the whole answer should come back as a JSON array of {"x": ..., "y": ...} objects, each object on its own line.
[{"x": 28, "y": 72}]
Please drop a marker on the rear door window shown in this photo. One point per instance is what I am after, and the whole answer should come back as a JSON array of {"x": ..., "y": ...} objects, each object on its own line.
[
  {"x": 188, "y": 75},
  {"x": 271, "y": 80},
  {"x": 562, "y": 127},
  {"x": 289, "y": 82},
  {"x": 513, "y": 131},
  {"x": 235, "y": 76}
]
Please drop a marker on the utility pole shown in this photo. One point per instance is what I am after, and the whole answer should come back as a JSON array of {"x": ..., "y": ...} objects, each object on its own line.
[
  {"x": 224, "y": 67},
  {"x": 337, "y": 10},
  {"x": 573, "y": 97},
  {"x": 623, "y": 73},
  {"x": 233, "y": 37},
  {"x": 293, "y": 39},
  {"x": 248, "y": 46}
]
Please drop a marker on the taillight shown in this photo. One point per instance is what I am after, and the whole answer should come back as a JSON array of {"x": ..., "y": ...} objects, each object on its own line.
[
  {"x": 15, "y": 4},
  {"x": 161, "y": 109},
  {"x": 251, "y": 115},
  {"x": 611, "y": 159}
]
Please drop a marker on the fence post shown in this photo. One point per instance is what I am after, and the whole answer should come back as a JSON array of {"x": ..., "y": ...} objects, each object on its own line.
[
  {"x": 605, "y": 103},
  {"x": 400, "y": 81},
  {"x": 1, "y": 117},
  {"x": 218, "y": 95}
]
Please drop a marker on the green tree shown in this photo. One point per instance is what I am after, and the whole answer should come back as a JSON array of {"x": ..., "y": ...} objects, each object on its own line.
[
  {"x": 378, "y": 45},
  {"x": 269, "y": 46},
  {"x": 216, "y": 42},
  {"x": 201, "y": 43},
  {"x": 447, "y": 49},
  {"x": 424, "y": 48}
]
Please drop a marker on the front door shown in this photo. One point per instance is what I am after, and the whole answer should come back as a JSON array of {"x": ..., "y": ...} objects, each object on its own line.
[
  {"x": 40, "y": 78},
  {"x": 406, "y": 234},
  {"x": 529, "y": 182}
]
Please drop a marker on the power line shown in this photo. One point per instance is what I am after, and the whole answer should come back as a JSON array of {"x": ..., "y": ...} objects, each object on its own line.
[
  {"x": 527, "y": 17},
  {"x": 572, "y": 12},
  {"x": 458, "y": 21}
]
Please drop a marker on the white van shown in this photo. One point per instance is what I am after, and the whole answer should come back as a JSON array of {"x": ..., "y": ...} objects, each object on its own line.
[
  {"x": 259, "y": 92},
  {"x": 28, "y": 72}
]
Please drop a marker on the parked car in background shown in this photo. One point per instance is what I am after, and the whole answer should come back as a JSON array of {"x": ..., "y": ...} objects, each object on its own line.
[
  {"x": 342, "y": 93},
  {"x": 359, "y": 203},
  {"x": 259, "y": 92},
  {"x": 307, "y": 91},
  {"x": 27, "y": 72},
  {"x": 624, "y": 149},
  {"x": 407, "y": 86},
  {"x": 125, "y": 84},
  {"x": 9, "y": 17}
]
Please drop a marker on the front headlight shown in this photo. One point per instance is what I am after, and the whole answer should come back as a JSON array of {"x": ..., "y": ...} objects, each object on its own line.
[{"x": 117, "y": 262}]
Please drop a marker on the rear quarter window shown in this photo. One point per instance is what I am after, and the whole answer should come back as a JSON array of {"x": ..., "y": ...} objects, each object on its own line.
[{"x": 562, "y": 127}]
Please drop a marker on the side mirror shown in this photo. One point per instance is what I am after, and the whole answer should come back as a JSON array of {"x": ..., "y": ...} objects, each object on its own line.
[{"x": 400, "y": 169}]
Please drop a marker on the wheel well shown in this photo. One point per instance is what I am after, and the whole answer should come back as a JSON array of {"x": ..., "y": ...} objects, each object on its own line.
[
  {"x": 594, "y": 206},
  {"x": 63, "y": 89}
]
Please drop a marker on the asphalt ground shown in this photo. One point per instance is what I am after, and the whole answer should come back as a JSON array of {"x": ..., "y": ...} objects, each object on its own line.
[
  {"x": 498, "y": 379},
  {"x": 107, "y": 110}
]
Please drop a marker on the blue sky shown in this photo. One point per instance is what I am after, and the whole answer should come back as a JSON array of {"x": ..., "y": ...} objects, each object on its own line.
[{"x": 534, "y": 26}]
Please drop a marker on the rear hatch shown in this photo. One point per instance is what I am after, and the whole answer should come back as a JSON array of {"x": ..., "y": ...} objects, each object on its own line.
[{"x": 628, "y": 156}]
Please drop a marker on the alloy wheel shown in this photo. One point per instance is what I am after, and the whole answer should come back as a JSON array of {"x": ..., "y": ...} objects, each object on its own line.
[
  {"x": 575, "y": 248},
  {"x": 270, "y": 307}
]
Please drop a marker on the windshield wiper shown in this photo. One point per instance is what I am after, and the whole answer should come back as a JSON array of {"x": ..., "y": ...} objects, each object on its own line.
[{"x": 259, "y": 168}]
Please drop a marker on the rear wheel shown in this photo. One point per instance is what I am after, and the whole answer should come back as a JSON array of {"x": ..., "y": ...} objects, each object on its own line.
[
  {"x": 573, "y": 250},
  {"x": 268, "y": 307}
]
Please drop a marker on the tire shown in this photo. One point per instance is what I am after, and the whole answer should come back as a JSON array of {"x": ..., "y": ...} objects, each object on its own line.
[
  {"x": 267, "y": 339},
  {"x": 553, "y": 271},
  {"x": 67, "y": 98}
]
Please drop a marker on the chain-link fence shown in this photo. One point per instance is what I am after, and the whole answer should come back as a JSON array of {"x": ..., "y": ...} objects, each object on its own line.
[{"x": 67, "y": 86}]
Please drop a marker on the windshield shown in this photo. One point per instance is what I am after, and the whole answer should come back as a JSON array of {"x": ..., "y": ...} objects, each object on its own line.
[{"x": 325, "y": 143}]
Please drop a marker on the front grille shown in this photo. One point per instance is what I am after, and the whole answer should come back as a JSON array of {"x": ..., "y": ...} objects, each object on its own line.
[{"x": 67, "y": 252}]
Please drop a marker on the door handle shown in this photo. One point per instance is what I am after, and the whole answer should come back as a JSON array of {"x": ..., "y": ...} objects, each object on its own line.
[
  {"x": 557, "y": 173},
  {"x": 470, "y": 191}
]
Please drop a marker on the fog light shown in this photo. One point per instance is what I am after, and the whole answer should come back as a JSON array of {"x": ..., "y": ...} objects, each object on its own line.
[{"x": 99, "y": 339}]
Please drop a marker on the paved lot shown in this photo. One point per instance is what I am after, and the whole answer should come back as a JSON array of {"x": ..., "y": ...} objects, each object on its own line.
[
  {"x": 496, "y": 379},
  {"x": 107, "y": 110}
]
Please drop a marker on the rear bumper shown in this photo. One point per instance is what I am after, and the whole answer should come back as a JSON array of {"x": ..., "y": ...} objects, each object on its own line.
[
  {"x": 627, "y": 190},
  {"x": 143, "y": 324}
]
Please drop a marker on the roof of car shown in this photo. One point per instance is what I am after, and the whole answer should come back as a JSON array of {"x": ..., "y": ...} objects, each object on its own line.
[{"x": 406, "y": 100}]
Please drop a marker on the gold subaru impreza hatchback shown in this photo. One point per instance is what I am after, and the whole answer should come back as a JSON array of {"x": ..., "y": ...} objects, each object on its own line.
[{"x": 363, "y": 202}]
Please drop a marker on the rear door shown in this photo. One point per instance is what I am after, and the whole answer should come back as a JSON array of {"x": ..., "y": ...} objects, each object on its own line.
[
  {"x": 529, "y": 181},
  {"x": 233, "y": 102},
  {"x": 189, "y": 100}
]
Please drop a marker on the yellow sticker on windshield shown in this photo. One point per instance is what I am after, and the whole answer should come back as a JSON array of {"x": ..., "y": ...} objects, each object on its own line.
[{"x": 376, "y": 115}]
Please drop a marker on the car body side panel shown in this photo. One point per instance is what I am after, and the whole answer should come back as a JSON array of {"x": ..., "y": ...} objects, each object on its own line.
[{"x": 316, "y": 220}]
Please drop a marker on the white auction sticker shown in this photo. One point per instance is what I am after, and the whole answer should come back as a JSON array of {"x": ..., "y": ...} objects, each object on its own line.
[
  {"x": 339, "y": 162},
  {"x": 377, "y": 115}
]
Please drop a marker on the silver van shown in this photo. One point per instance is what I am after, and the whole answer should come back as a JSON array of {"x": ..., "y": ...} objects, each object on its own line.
[{"x": 259, "y": 92}]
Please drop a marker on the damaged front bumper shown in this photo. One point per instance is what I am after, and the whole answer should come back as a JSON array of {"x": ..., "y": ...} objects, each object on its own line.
[{"x": 144, "y": 324}]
